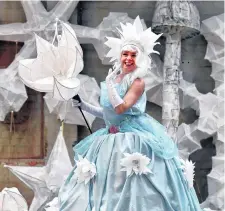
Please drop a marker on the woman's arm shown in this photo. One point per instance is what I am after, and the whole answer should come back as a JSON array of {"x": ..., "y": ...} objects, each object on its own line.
[
  {"x": 134, "y": 93},
  {"x": 94, "y": 110}
]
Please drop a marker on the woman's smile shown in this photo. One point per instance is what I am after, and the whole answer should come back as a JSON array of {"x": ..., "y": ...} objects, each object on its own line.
[{"x": 128, "y": 61}]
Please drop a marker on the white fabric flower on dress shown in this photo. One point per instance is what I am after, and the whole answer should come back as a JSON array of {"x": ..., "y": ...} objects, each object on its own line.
[
  {"x": 135, "y": 163},
  {"x": 188, "y": 168},
  {"x": 85, "y": 170}
]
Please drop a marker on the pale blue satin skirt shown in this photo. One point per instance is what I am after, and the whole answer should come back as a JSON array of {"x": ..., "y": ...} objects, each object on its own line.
[{"x": 166, "y": 189}]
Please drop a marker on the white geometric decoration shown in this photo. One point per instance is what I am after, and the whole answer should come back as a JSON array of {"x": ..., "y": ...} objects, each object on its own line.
[
  {"x": 46, "y": 181},
  {"x": 12, "y": 200},
  {"x": 210, "y": 121},
  {"x": 39, "y": 21},
  {"x": 56, "y": 67},
  {"x": 213, "y": 31},
  {"x": 218, "y": 74},
  {"x": 89, "y": 92},
  {"x": 154, "y": 80},
  {"x": 210, "y": 109},
  {"x": 12, "y": 96}
]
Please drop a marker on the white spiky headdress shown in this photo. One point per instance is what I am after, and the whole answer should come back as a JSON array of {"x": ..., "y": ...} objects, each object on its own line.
[{"x": 134, "y": 35}]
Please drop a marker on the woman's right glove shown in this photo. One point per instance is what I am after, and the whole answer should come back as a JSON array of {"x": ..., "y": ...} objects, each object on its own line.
[
  {"x": 94, "y": 110},
  {"x": 114, "y": 97}
]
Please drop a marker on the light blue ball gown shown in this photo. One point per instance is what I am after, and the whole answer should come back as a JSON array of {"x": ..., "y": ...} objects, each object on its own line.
[{"x": 165, "y": 189}]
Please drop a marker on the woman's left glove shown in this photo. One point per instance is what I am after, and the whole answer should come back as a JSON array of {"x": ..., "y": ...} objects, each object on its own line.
[
  {"x": 76, "y": 101},
  {"x": 94, "y": 110},
  {"x": 114, "y": 97}
]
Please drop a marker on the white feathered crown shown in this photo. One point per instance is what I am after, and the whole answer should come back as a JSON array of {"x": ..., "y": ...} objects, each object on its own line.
[{"x": 132, "y": 34}]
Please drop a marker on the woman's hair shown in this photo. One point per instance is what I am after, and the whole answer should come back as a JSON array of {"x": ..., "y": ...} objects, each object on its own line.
[{"x": 143, "y": 63}]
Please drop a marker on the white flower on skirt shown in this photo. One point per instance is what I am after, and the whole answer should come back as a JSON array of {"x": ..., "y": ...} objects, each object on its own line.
[
  {"x": 188, "y": 168},
  {"x": 85, "y": 170},
  {"x": 135, "y": 163}
]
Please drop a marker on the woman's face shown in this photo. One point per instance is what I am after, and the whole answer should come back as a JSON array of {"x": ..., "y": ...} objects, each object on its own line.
[{"x": 128, "y": 61}]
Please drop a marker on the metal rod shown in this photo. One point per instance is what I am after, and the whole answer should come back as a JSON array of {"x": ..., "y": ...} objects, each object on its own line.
[
  {"x": 85, "y": 119},
  {"x": 77, "y": 98}
]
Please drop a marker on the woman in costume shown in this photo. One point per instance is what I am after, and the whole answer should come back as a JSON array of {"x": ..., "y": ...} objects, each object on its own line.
[{"x": 132, "y": 164}]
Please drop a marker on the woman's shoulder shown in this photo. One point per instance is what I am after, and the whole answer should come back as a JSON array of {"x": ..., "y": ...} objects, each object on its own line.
[{"x": 138, "y": 83}]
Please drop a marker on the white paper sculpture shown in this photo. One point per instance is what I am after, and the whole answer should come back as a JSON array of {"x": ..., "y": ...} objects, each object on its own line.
[
  {"x": 218, "y": 71},
  {"x": 213, "y": 31},
  {"x": 208, "y": 107},
  {"x": 56, "y": 68},
  {"x": 154, "y": 81},
  {"x": 40, "y": 21},
  {"x": 214, "y": 51},
  {"x": 12, "y": 200},
  {"x": 210, "y": 123},
  {"x": 12, "y": 96},
  {"x": 45, "y": 181},
  {"x": 89, "y": 92}
]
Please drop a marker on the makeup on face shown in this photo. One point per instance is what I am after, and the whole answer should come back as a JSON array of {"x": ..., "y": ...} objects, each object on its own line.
[{"x": 128, "y": 61}]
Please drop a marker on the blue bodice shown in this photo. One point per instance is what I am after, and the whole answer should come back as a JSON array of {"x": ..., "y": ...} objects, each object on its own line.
[
  {"x": 110, "y": 117},
  {"x": 135, "y": 120}
]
